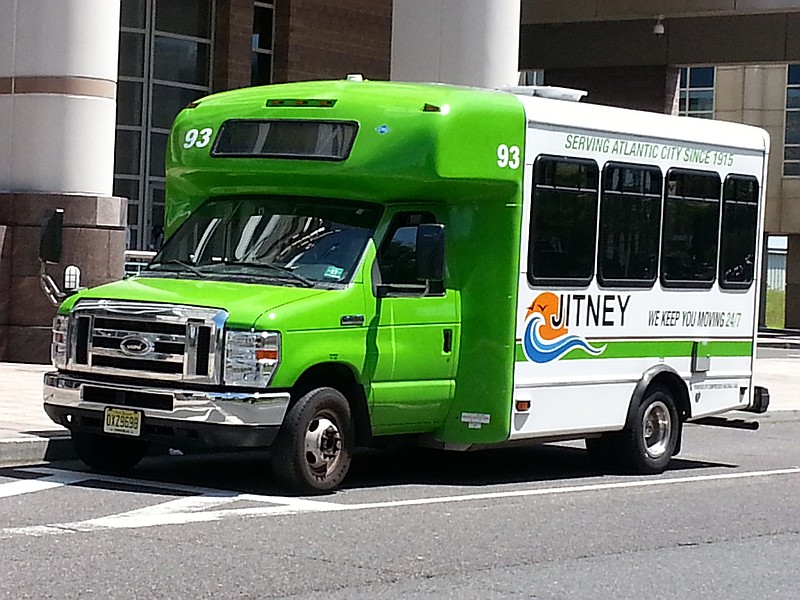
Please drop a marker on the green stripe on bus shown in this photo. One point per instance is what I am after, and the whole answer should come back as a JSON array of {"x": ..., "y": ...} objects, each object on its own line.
[{"x": 652, "y": 348}]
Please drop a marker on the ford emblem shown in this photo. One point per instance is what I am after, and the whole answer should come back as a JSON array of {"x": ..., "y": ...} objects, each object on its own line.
[{"x": 133, "y": 345}]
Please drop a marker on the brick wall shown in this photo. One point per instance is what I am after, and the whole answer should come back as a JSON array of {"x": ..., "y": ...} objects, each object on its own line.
[
  {"x": 232, "y": 45},
  {"x": 314, "y": 39},
  {"x": 329, "y": 39}
]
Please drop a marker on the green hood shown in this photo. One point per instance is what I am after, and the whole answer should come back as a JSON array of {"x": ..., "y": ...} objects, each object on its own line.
[{"x": 245, "y": 302}]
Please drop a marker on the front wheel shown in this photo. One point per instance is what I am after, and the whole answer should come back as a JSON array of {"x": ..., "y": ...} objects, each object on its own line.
[
  {"x": 312, "y": 452},
  {"x": 651, "y": 440},
  {"x": 108, "y": 454}
]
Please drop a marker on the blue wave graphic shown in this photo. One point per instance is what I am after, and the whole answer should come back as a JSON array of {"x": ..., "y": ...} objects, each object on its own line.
[{"x": 541, "y": 351}]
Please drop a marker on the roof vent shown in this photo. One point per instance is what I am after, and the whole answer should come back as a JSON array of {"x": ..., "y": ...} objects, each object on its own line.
[
  {"x": 355, "y": 77},
  {"x": 546, "y": 91}
]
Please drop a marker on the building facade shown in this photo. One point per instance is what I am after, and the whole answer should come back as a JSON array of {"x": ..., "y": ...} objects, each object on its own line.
[
  {"x": 89, "y": 88},
  {"x": 171, "y": 53}
]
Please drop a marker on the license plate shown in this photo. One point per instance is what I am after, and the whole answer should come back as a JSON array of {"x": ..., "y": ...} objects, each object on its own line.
[{"x": 122, "y": 421}]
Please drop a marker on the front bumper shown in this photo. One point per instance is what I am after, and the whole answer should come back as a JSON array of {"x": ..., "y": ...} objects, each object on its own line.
[{"x": 180, "y": 417}]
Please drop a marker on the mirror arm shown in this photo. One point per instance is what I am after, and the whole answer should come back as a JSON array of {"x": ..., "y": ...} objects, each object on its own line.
[{"x": 49, "y": 286}]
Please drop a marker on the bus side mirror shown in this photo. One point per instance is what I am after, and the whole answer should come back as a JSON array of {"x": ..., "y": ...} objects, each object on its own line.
[
  {"x": 50, "y": 242},
  {"x": 430, "y": 252}
]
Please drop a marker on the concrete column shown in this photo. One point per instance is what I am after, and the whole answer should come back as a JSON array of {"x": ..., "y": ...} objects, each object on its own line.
[
  {"x": 58, "y": 72},
  {"x": 468, "y": 42},
  {"x": 793, "y": 282}
]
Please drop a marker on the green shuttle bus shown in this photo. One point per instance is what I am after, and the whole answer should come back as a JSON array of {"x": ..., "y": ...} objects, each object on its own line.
[{"x": 454, "y": 267}]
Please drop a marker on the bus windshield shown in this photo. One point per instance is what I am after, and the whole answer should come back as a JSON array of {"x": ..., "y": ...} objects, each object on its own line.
[{"x": 294, "y": 241}]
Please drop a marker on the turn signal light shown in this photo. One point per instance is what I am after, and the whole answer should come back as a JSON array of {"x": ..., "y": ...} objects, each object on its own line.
[
  {"x": 266, "y": 354},
  {"x": 523, "y": 405}
]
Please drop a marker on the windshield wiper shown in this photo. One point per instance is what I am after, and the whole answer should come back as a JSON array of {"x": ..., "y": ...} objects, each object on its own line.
[
  {"x": 264, "y": 265},
  {"x": 185, "y": 266}
]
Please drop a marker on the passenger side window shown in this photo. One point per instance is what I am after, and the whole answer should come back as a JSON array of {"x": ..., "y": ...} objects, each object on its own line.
[
  {"x": 739, "y": 227},
  {"x": 397, "y": 256},
  {"x": 563, "y": 221},
  {"x": 691, "y": 229},
  {"x": 630, "y": 222}
]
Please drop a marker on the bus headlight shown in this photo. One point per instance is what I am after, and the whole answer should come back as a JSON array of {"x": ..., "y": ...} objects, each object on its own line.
[
  {"x": 58, "y": 344},
  {"x": 251, "y": 357}
]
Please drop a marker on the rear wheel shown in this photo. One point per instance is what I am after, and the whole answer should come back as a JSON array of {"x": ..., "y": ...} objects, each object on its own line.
[
  {"x": 108, "y": 454},
  {"x": 651, "y": 440},
  {"x": 312, "y": 452}
]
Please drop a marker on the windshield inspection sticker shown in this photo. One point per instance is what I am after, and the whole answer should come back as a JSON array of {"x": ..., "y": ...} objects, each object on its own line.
[
  {"x": 475, "y": 420},
  {"x": 334, "y": 272}
]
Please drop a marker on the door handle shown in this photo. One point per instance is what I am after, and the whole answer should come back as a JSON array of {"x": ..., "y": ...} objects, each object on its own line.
[{"x": 447, "y": 346}]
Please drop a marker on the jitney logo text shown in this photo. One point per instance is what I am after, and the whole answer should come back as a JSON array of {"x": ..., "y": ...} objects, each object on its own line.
[{"x": 546, "y": 334}]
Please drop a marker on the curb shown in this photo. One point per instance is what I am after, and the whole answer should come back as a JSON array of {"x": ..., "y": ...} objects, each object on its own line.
[
  {"x": 19, "y": 451},
  {"x": 782, "y": 344}
]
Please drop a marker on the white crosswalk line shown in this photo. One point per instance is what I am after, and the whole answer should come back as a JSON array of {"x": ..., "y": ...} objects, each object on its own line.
[{"x": 29, "y": 486}]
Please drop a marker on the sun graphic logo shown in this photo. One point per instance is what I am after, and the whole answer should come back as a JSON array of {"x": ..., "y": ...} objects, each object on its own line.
[{"x": 546, "y": 338}]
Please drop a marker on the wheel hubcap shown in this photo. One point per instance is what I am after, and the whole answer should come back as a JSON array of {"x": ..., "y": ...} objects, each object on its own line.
[
  {"x": 323, "y": 445},
  {"x": 657, "y": 429}
]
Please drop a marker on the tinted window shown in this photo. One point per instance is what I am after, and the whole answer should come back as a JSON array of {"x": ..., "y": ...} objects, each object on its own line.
[
  {"x": 320, "y": 140},
  {"x": 397, "y": 257},
  {"x": 188, "y": 17},
  {"x": 691, "y": 229},
  {"x": 630, "y": 217},
  {"x": 739, "y": 227},
  {"x": 563, "y": 221},
  {"x": 398, "y": 261},
  {"x": 306, "y": 240}
]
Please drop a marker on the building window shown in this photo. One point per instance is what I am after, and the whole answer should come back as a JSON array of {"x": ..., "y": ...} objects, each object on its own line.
[
  {"x": 697, "y": 92},
  {"x": 791, "y": 148},
  {"x": 263, "y": 42},
  {"x": 165, "y": 58},
  {"x": 532, "y": 77}
]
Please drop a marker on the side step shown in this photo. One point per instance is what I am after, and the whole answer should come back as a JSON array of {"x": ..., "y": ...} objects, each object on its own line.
[{"x": 723, "y": 422}]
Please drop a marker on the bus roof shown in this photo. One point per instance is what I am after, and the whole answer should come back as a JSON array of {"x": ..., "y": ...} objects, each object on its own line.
[
  {"x": 430, "y": 142},
  {"x": 414, "y": 142},
  {"x": 609, "y": 120}
]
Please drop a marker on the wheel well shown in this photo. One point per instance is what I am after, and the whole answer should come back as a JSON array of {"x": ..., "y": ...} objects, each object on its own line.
[
  {"x": 341, "y": 378},
  {"x": 662, "y": 375},
  {"x": 677, "y": 387}
]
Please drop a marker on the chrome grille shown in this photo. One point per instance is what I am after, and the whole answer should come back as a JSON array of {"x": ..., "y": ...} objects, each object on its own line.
[{"x": 181, "y": 343}]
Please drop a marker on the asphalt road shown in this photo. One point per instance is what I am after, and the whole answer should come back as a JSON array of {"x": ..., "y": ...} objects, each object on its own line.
[{"x": 541, "y": 522}]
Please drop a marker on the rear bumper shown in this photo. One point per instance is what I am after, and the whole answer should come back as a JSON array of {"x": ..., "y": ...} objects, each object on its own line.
[
  {"x": 759, "y": 403},
  {"x": 223, "y": 419}
]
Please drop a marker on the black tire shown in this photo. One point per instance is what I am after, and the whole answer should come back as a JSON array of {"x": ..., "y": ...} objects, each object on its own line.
[
  {"x": 312, "y": 452},
  {"x": 108, "y": 454},
  {"x": 649, "y": 442}
]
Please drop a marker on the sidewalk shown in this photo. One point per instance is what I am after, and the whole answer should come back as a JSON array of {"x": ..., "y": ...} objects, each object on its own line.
[{"x": 28, "y": 436}]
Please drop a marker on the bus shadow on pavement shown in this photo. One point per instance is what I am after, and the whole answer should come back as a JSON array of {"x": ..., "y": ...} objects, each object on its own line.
[
  {"x": 250, "y": 472},
  {"x": 487, "y": 467}
]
